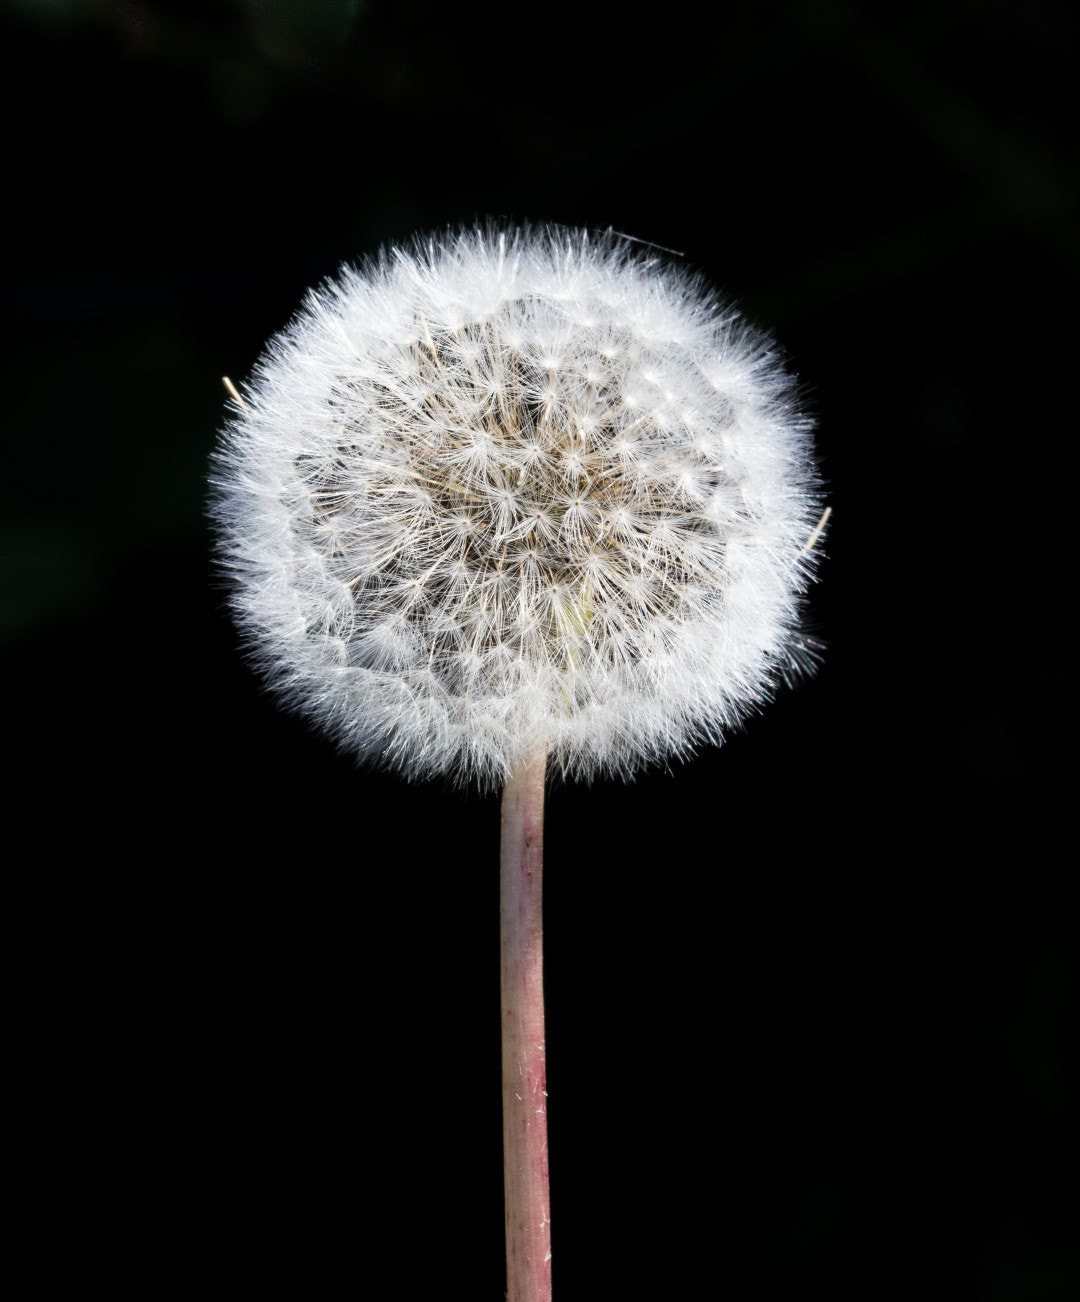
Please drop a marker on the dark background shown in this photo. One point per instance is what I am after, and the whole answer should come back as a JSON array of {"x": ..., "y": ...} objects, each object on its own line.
[{"x": 812, "y": 995}]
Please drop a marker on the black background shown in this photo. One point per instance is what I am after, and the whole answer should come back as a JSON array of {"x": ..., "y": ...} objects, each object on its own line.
[{"x": 812, "y": 995}]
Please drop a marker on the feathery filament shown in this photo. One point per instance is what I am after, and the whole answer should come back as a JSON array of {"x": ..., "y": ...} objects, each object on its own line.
[{"x": 518, "y": 487}]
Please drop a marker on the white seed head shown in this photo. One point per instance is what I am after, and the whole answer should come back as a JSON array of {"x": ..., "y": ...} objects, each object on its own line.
[{"x": 518, "y": 488}]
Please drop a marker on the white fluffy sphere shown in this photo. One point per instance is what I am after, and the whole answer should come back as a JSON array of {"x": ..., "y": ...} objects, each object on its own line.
[{"x": 512, "y": 489}]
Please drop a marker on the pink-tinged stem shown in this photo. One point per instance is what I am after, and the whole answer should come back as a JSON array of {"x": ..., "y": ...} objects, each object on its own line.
[{"x": 525, "y": 1152}]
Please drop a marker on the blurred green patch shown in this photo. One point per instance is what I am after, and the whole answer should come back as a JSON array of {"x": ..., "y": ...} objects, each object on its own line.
[
  {"x": 52, "y": 12},
  {"x": 294, "y": 34},
  {"x": 284, "y": 33}
]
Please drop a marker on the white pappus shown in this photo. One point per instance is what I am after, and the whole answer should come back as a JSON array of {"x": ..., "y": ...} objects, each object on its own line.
[{"x": 518, "y": 488}]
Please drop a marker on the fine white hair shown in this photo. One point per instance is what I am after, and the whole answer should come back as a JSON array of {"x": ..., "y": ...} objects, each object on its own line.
[{"x": 517, "y": 488}]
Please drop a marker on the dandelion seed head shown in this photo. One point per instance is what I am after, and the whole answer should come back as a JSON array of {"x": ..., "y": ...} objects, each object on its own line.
[{"x": 514, "y": 488}]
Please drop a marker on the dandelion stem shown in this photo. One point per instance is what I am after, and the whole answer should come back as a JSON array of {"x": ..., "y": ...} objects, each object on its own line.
[{"x": 525, "y": 1154}]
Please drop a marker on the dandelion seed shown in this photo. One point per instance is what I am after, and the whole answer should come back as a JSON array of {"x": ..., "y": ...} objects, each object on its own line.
[
  {"x": 455, "y": 429},
  {"x": 513, "y": 499}
]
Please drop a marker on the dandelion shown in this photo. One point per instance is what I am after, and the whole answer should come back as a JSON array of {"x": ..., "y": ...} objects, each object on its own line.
[{"x": 511, "y": 500}]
